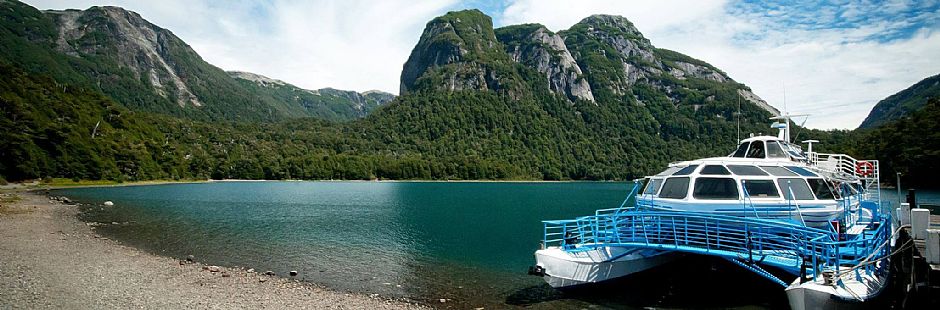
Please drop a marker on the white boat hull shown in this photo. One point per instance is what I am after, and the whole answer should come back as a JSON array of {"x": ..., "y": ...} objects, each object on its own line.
[
  {"x": 563, "y": 269},
  {"x": 851, "y": 290}
]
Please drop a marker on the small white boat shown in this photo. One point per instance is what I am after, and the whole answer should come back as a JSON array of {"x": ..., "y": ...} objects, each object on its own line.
[{"x": 817, "y": 217}]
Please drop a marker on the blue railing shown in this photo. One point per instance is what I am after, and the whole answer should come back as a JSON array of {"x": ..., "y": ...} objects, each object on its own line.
[{"x": 791, "y": 247}]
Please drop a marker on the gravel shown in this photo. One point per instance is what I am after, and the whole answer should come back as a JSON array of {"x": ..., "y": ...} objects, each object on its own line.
[{"x": 51, "y": 260}]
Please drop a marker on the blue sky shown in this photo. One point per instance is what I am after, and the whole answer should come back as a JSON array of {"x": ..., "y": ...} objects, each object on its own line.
[{"x": 832, "y": 59}]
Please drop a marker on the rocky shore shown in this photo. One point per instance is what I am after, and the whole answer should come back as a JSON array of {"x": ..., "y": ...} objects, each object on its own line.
[{"x": 51, "y": 260}]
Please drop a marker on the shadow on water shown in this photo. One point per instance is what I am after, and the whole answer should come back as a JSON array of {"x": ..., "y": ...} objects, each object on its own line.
[{"x": 691, "y": 282}]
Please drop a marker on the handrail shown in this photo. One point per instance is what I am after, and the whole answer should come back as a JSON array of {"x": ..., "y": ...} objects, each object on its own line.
[{"x": 780, "y": 244}]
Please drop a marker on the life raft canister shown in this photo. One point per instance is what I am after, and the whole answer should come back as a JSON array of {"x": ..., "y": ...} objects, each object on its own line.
[{"x": 864, "y": 168}]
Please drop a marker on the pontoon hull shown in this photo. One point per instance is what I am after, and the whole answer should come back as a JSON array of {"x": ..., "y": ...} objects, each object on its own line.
[
  {"x": 852, "y": 292},
  {"x": 563, "y": 269}
]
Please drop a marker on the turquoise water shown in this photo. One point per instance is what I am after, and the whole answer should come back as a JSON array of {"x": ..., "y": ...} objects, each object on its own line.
[
  {"x": 471, "y": 242},
  {"x": 467, "y": 242}
]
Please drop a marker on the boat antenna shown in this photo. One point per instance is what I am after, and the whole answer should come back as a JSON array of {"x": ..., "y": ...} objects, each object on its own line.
[{"x": 737, "y": 119}]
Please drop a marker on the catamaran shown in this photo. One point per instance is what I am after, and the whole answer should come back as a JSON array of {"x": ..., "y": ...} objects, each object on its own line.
[{"x": 816, "y": 217}]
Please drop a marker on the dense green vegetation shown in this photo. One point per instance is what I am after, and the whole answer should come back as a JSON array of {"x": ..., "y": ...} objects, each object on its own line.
[
  {"x": 99, "y": 60},
  {"x": 327, "y": 104},
  {"x": 903, "y": 103},
  {"x": 909, "y": 145},
  {"x": 87, "y": 117}
]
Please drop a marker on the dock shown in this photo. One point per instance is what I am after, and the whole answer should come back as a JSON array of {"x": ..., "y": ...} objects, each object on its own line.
[{"x": 917, "y": 267}]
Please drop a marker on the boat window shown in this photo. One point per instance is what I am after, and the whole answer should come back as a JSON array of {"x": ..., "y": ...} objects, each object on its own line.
[
  {"x": 821, "y": 189},
  {"x": 778, "y": 171},
  {"x": 802, "y": 171},
  {"x": 797, "y": 186},
  {"x": 715, "y": 188},
  {"x": 652, "y": 186},
  {"x": 760, "y": 188},
  {"x": 715, "y": 169},
  {"x": 746, "y": 170},
  {"x": 676, "y": 188},
  {"x": 756, "y": 150},
  {"x": 687, "y": 170},
  {"x": 741, "y": 150},
  {"x": 846, "y": 189},
  {"x": 774, "y": 150}
]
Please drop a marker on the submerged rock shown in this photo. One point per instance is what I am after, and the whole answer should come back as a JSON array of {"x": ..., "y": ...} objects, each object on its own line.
[
  {"x": 190, "y": 258},
  {"x": 269, "y": 273},
  {"x": 293, "y": 273}
]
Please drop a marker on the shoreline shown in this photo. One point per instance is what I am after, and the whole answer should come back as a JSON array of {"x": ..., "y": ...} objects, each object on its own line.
[
  {"x": 51, "y": 259},
  {"x": 37, "y": 186}
]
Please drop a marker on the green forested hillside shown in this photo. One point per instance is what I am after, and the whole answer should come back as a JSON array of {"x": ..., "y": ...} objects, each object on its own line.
[
  {"x": 910, "y": 145},
  {"x": 903, "y": 103},
  {"x": 141, "y": 66},
  {"x": 597, "y": 101}
]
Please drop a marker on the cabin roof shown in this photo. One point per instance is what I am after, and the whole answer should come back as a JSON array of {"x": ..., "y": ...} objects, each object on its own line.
[{"x": 762, "y": 138}]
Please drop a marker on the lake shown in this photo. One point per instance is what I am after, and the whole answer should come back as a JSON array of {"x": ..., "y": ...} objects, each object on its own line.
[{"x": 468, "y": 242}]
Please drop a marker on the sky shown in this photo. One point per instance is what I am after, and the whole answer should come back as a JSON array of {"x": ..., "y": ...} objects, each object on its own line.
[{"x": 831, "y": 59}]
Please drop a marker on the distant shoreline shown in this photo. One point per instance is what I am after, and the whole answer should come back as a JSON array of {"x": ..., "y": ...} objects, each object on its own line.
[{"x": 34, "y": 186}]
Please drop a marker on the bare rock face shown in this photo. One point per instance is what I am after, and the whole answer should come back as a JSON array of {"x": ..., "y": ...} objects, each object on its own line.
[
  {"x": 136, "y": 44},
  {"x": 537, "y": 47},
  {"x": 685, "y": 69},
  {"x": 753, "y": 98}
]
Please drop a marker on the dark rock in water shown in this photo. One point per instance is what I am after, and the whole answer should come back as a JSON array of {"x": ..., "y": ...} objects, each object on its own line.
[
  {"x": 190, "y": 258},
  {"x": 293, "y": 273},
  {"x": 269, "y": 273}
]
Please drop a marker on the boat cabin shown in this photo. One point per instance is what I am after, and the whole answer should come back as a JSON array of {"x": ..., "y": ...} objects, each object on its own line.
[
  {"x": 739, "y": 178},
  {"x": 768, "y": 147}
]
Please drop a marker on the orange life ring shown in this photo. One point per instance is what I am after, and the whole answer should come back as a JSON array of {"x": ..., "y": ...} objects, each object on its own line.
[{"x": 864, "y": 168}]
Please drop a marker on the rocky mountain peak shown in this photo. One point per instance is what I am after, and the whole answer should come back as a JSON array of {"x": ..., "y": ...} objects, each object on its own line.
[
  {"x": 139, "y": 46},
  {"x": 614, "y": 25},
  {"x": 535, "y": 46},
  {"x": 462, "y": 50}
]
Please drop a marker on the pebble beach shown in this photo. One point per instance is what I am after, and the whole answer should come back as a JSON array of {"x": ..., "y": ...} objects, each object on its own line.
[{"x": 49, "y": 259}]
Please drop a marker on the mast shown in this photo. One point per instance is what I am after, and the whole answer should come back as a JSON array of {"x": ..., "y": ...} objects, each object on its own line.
[{"x": 737, "y": 118}]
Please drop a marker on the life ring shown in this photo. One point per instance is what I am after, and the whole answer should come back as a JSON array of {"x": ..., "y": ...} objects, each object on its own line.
[{"x": 864, "y": 168}]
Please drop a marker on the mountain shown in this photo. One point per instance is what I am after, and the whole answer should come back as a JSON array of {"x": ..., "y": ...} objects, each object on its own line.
[
  {"x": 601, "y": 56},
  {"x": 123, "y": 99},
  {"x": 903, "y": 103},
  {"x": 143, "y": 66},
  {"x": 909, "y": 145},
  {"x": 325, "y": 103},
  {"x": 536, "y": 47},
  {"x": 594, "y": 101}
]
